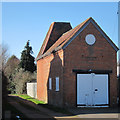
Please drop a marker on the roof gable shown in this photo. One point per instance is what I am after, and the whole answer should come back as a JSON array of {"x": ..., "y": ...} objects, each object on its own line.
[
  {"x": 54, "y": 33},
  {"x": 97, "y": 27},
  {"x": 69, "y": 36}
]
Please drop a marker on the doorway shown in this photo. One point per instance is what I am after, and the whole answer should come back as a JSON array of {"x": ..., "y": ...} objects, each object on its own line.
[{"x": 92, "y": 89}]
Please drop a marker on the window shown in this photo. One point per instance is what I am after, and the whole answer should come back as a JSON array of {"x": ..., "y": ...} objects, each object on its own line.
[
  {"x": 90, "y": 39},
  {"x": 50, "y": 83},
  {"x": 57, "y": 83}
]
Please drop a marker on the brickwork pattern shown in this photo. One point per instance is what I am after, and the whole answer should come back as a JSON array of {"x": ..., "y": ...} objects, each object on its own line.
[{"x": 77, "y": 55}]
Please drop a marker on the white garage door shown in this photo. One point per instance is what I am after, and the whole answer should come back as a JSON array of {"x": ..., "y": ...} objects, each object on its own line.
[{"x": 92, "y": 89}]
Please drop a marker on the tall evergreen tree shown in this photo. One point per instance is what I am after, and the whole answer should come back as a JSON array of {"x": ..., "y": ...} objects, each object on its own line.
[{"x": 27, "y": 60}]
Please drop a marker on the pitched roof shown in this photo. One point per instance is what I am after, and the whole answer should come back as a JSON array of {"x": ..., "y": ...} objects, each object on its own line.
[
  {"x": 54, "y": 33},
  {"x": 67, "y": 37}
]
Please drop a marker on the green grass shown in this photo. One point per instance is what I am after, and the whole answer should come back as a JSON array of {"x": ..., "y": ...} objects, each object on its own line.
[
  {"x": 26, "y": 97},
  {"x": 51, "y": 107}
]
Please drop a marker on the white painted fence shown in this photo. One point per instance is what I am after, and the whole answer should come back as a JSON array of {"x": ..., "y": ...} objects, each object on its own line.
[{"x": 32, "y": 89}]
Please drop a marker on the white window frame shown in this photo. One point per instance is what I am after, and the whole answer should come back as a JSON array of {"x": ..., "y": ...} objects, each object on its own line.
[
  {"x": 50, "y": 83},
  {"x": 57, "y": 84}
]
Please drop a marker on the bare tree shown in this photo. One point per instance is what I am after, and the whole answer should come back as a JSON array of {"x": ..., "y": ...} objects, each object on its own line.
[
  {"x": 3, "y": 78},
  {"x": 3, "y": 56}
]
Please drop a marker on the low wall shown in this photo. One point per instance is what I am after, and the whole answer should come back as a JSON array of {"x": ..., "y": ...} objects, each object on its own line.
[{"x": 32, "y": 89}]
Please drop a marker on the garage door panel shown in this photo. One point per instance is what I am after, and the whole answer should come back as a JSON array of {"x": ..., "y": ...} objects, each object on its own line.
[
  {"x": 100, "y": 82},
  {"x": 83, "y": 89},
  {"x": 92, "y": 89}
]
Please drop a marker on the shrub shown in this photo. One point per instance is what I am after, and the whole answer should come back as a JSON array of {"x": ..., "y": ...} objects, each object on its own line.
[{"x": 20, "y": 78}]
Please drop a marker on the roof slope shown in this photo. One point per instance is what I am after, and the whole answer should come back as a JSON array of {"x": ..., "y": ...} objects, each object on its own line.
[
  {"x": 54, "y": 33},
  {"x": 67, "y": 37}
]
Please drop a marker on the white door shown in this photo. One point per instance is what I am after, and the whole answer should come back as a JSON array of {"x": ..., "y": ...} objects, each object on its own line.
[
  {"x": 84, "y": 89},
  {"x": 92, "y": 89},
  {"x": 100, "y": 88}
]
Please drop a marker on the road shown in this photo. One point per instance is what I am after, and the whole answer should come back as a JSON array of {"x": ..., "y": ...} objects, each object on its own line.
[
  {"x": 33, "y": 111},
  {"x": 28, "y": 110}
]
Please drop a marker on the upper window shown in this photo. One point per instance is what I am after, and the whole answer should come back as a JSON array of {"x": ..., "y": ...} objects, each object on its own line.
[
  {"x": 50, "y": 83},
  {"x": 57, "y": 83},
  {"x": 90, "y": 39}
]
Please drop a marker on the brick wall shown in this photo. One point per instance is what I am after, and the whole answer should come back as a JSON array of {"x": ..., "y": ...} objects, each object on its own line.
[
  {"x": 50, "y": 67},
  {"x": 43, "y": 66},
  {"x": 79, "y": 55}
]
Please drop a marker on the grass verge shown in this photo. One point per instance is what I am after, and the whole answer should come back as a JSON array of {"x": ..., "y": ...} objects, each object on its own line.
[
  {"x": 43, "y": 104},
  {"x": 26, "y": 97},
  {"x": 22, "y": 103}
]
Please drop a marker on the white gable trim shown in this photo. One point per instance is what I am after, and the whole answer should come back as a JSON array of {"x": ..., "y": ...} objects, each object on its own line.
[
  {"x": 105, "y": 36},
  {"x": 83, "y": 27},
  {"x": 79, "y": 31}
]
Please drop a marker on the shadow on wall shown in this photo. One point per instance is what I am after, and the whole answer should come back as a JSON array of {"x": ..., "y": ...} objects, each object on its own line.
[{"x": 55, "y": 90}]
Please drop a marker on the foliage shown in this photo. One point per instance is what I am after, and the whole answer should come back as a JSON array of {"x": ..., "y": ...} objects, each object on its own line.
[
  {"x": 20, "y": 78},
  {"x": 4, "y": 86},
  {"x": 10, "y": 67},
  {"x": 27, "y": 60},
  {"x": 11, "y": 64},
  {"x": 3, "y": 78},
  {"x": 3, "y": 56},
  {"x": 51, "y": 107},
  {"x": 18, "y": 72}
]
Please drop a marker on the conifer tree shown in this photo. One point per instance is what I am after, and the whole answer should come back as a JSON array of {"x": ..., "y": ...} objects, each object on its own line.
[{"x": 27, "y": 60}]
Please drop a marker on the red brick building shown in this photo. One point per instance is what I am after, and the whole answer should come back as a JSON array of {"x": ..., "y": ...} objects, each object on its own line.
[{"x": 77, "y": 67}]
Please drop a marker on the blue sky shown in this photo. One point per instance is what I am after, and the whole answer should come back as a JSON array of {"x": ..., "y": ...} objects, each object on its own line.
[{"x": 31, "y": 21}]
